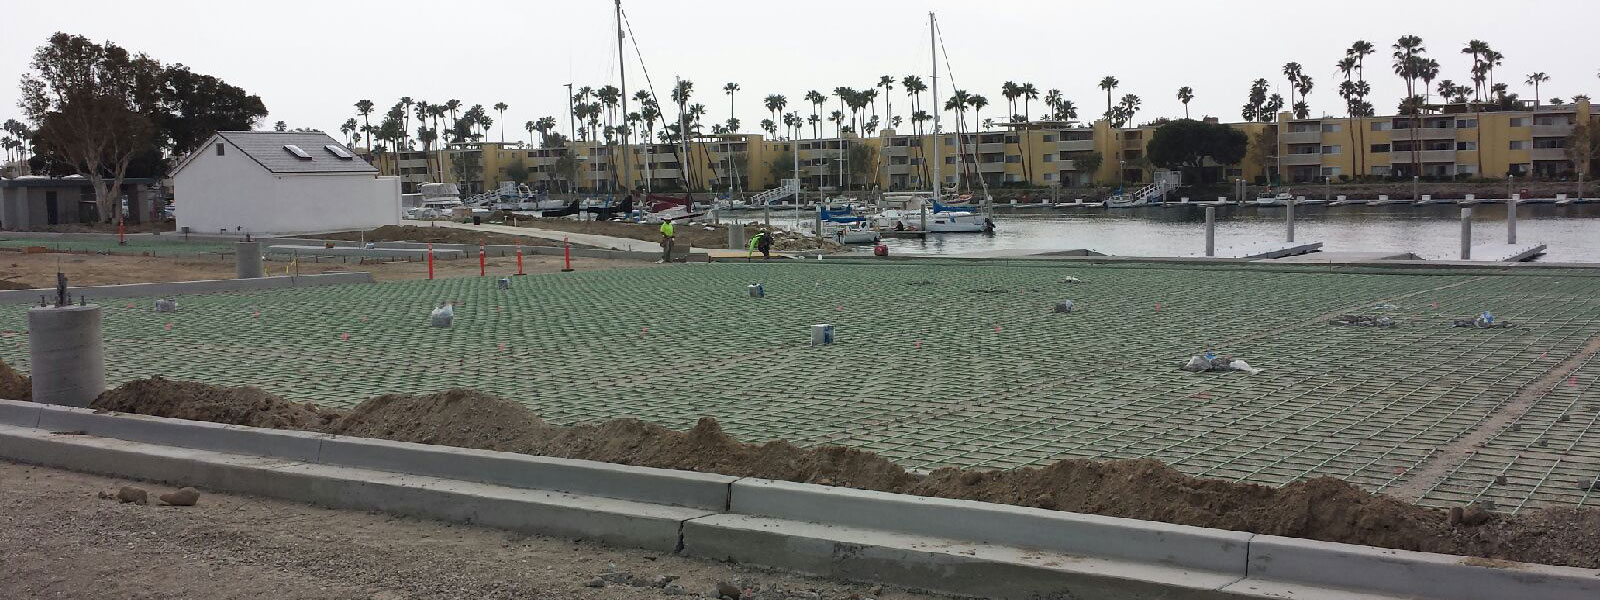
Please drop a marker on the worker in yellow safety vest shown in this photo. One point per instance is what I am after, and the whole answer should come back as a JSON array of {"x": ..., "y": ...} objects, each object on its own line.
[{"x": 666, "y": 240}]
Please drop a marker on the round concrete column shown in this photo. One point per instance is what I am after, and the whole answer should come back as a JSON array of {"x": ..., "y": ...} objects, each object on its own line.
[
  {"x": 247, "y": 260},
  {"x": 66, "y": 354}
]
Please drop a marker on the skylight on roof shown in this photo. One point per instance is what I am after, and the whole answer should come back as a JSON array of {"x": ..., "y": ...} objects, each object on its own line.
[
  {"x": 297, "y": 152},
  {"x": 341, "y": 153}
]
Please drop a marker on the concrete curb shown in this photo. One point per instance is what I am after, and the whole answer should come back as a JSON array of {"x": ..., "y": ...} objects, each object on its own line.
[
  {"x": 181, "y": 288},
  {"x": 955, "y": 546}
]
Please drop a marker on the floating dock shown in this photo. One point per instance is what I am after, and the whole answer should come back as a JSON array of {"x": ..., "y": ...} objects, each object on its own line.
[
  {"x": 1506, "y": 252},
  {"x": 1260, "y": 250},
  {"x": 1345, "y": 257}
]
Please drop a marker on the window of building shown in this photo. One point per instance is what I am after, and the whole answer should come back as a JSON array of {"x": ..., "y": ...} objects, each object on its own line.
[
  {"x": 1519, "y": 144},
  {"x": 219, "y": 148},
  {"x": 1013, "y": 158},
  {"x": 1049, "y": 158},
  {"x": 1333, "y": 149},
  {"x": 1049, "y": 137},
  {"x": 1049, "y": 176},
  {"x": 949, "y": 141},
  {"x": 1550, "y": 143},
  {"x": 1330, "y": 171},
  {"x": 949, "y": 160},
  {"x": 1331, "y": 128},
  {"x": 1380, "y": 148},
  {"x": 1466, "y": 146},
  {"x": 1380, "y": 170},
  {"x": 1519, "y": 121},
  {"x": 1466, "y": 169},
  {"x": 1382, "y": 125},
  {"x": 1466, "y": 123},
  {"x": 1304, "y": 127}
]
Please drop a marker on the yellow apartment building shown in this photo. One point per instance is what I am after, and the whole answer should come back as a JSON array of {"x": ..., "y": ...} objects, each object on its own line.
[{"x": 1450, "y": 142}]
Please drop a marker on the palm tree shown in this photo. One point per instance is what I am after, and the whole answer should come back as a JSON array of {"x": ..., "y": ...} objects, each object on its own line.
[
  {"x": 364, "y": 108},
  {"x": 775, "y": 103},
  {"x": 977, "y": 102},
  {"x": 914, "y": 88},
  {"x": 1427, "y": 70},
  {"x": 1478, "y": 49},
  {"x": 1534, "y": 79},
  {"x": 1028, "y": 94},
  {"x": 501, "y": 107},
  {"x": 405, "y": 121},
  {"x": 530, "y": 126},
  {"x": 816, "y": 99},
  {"x": 1407, "y": 65},
  {"x": 729, "y": 88},
  {"x": 1126, "y": 108},
  {"x": 1010, "y": 91},
  {"x": 1185, "y": 94},
  {"x": 886, "y": 82},
  {"x": 958, "y": 103},
  {"x": 1109, "y": 83},
  {"x": 1302, "y": 109},
  {"x": 1292, "y": 71},
  {"x": 348, "y": 128}
]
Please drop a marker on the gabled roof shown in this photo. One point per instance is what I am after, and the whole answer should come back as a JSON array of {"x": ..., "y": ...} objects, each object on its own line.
[{"x": 267, "y": 148}]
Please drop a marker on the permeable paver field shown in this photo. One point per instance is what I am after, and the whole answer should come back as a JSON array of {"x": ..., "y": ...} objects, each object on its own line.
[{"x": 960, "y": 364}]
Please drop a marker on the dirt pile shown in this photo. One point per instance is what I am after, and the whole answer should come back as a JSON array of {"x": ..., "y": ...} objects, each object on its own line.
[
  {"x": 1322, "y": 509},
  {"x": 435, "y": 235},
  {"x": 203, "y": 402},
  {"x": 14, "y": 385}
]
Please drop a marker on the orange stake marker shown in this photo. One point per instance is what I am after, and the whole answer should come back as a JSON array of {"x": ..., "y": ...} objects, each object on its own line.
[
  {"x": 483, "y": 264},
  {"x": 519, "y": 260},
  {"x": 430, "y": 260}
]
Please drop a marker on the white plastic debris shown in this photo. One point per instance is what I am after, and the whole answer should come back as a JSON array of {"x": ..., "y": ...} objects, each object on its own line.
[
  {"x": 442, "y": 316},
  {"x": 1212, "y": 362},
  {"x": 1071, "y": 279}
]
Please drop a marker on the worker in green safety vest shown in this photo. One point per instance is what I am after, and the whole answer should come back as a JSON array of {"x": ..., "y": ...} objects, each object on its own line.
[
  {"x": 761, "y": 242},
  {"x": 666, "y": 240}
]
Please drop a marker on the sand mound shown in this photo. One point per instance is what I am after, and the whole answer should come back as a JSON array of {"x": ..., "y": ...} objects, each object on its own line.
[
  {"x": 14, "y": 385},
  {"x": 202, "y": 402},
  {"x": 1322, "y": 509}
]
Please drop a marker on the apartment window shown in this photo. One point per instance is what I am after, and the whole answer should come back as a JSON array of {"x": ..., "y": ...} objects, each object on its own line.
[
  {"x": 1519, "y": 121},
  {"x": 1382, "y": 126},
  {"x": 949, "y": 141},
  {"x": 1381, "y": 170},
  {"x": 1049, "y": 138},
  {"x": 1466, "y": 146},
  {"x": 1547, "y": 143},
  {"x": 1049, "y": 176},
  {"x": 219, "y": 148},
  {"x": 1380, "y": 148},
  {"x": 949, "y": 160},
  {"x": 1304, "y": 127},
  {"x": 1049, "y": 158},
  {"x": 1013, "y": 159},
  {"x": 1519, "y": 144},
  {"x": 1466, "y": 169},
  {"x": 1333, "y": 149},
  {"x": 1330, "y": 171},
  {"x": 1466, "y": 123},
  {"x": 1331, "y": 128}
]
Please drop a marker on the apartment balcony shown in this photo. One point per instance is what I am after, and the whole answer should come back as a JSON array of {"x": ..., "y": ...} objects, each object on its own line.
[
  {"x": 902, "y": 169},
  {"x": 665, "y": 173},
  {"x": 1405, "y": 157},
  {"x": 1423, "y": 133},
  {"x": 1547, "y": 154},
  {"x": 1133, "y": 144},
  {"x": 1298, "y": 160},
  {"x": 1075, "y": 145},
  {"x": 991, "y": 147},
  {"x": 1067, "y": 165},
  {"x": 896, "y": 150},
  {"x": 1552, "y": 130},
  {"x": 1303, "y": 137},
  {"x": 992, "y": 167}
]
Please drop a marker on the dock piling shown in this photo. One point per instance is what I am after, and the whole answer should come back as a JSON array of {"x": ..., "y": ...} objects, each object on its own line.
[
  {"x": 1211, "y": 231},
  {"x": 1466, "y": 234},
  {"x": 1511, "y": 220},
  {"x": 1289, "y": 219}
]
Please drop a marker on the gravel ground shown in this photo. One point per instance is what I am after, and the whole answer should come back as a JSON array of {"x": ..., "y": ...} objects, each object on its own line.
[{"x": 60, "y": 539}]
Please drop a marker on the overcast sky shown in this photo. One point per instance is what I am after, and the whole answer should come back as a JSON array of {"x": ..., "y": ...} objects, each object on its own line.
[{"x": 310, "y": 61}]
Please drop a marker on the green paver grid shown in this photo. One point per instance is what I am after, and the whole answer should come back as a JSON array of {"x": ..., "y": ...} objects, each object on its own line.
[{"x": 936, "y": 365}]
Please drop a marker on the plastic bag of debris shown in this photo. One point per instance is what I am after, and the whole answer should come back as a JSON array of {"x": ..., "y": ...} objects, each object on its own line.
[
  {"x": 1212, "y": 362},
  {"x": 442, "y": 316},
  {"x": 1362, "y": 321},
  {"x": 1064, "y": 306},
  {"x": 1486, "y": 320},
  {"x": 166, "y": 305}
]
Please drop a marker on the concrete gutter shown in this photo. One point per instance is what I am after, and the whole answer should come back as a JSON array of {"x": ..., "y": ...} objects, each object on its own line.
[
  {"x": 953, "y": 546},
  {"x": 181, "y": 288}
]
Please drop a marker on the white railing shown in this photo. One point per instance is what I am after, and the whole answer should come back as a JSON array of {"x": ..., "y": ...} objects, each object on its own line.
[{"x": 790, "y": 187}]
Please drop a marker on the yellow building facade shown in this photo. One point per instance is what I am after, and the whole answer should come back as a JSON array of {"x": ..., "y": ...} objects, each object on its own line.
[{"x": 1451, "y": 143}]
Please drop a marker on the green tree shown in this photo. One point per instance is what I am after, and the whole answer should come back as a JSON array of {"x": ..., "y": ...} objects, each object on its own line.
[
  {"x": 1534, "y": 79},
  {"x": 1186, "y": 144},
  {"x": 1089, "y": 163},
  {"x": 501, "y": 107},
  {"x": 280, "y": 126},
  {"x": 517, "y": 171},
  {"x": 364, "y": 108},
  {"x": 1109, "y": 83},
  {"x": 1185, "y": 94}
]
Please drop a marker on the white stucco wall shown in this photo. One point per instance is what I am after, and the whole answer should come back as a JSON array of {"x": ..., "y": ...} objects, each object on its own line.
[{"x": 231, "y": 191}]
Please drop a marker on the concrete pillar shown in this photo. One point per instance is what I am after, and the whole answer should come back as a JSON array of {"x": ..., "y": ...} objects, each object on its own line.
[
  {"x": 735, "y": 235},
  {"x": 66, "y": 354},
  {"x": 1289, "y": 218},
  {"x": 1511, "y": 220},
  {"x": 246, "y": 260},
  {"x": 1211, "y": 231},
  {"x": 1466, "y": 234}
]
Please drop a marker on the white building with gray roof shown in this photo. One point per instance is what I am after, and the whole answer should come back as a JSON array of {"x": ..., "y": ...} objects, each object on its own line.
[{"x": 280, "y": 182}]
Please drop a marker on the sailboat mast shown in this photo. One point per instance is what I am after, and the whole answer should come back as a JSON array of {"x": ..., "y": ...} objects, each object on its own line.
[
  {"x": 622, "y": 71},
  {"x": 933, "y": 50}
]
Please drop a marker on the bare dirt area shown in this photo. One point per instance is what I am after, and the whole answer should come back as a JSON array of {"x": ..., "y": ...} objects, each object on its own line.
[
  {"x": 698, "y": 236},
  {"x": 14, "y": 385},
  {"x": 145, "y": 227},
  {"x": 20, "y": 270},
  {"x": 436, "y": 235},
  {"x": 1322, "y": 509},
  {"x": 60, "y": 539}
]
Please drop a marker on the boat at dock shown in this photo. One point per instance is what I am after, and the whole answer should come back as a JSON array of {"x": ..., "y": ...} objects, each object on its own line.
[
  {"x": 1278, "y": 199},
  {"x": 1385, "y": 201}
]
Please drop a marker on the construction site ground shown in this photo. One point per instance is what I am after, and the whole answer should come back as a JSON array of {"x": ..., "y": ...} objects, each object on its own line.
[
  {"x": 60, "y": 539},
  {"x": 965, "y": 363}
]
